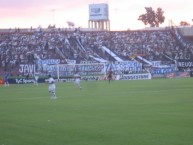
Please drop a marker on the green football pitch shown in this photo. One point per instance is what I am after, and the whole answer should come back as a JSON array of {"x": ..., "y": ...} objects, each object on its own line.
[{"x": 148, "y": 112}]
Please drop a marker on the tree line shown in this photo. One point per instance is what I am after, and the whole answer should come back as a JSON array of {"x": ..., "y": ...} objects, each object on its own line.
[{"x": 155, "y": 18}]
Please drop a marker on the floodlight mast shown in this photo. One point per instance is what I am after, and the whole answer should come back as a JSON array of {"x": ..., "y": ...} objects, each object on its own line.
[{"x": 53, "y": 16}]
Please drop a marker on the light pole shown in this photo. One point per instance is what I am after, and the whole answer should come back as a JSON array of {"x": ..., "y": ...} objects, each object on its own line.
[{"x": 53, "y": 16}]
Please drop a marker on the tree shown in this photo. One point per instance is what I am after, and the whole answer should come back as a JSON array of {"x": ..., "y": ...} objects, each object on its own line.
[
  {"x": 152, "y": 18},
  {"x": 184, "y": 23}
]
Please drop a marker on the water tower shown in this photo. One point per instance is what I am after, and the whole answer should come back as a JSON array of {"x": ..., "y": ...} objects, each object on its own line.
[{"x": 99, "y": 16}]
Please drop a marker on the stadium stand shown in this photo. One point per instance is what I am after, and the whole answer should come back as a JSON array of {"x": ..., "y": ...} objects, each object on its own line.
[{"x": 17, "y": 47}]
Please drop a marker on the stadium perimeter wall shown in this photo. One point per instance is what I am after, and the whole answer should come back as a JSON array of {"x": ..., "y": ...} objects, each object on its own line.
[
  {"x": 186, "y": 31},
  {"x": 142, "y": 76}
]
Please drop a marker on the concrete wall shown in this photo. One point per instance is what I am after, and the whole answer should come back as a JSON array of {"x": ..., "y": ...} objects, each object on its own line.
[{"x": 187, "y": 31}]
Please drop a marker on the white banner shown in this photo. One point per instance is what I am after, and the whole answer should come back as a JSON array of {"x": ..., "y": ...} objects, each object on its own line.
[
  {"x": 49, "y": 61},
  {"x": 136, "y": 77},
  {"x": 156, "y": 63},
  {"x": 71, "y": 61},
  {"x": 27, "y": 69},
  {"x": 126, "y": 66}
]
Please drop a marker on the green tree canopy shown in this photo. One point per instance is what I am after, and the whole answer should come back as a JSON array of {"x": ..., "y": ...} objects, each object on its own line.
[
  {"x": 184, "y": 23},
  {"x": 152, "y": 18}
]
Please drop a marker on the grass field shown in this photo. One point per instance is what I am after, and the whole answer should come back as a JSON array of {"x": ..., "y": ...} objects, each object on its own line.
[{"x": 148, "y": 112}]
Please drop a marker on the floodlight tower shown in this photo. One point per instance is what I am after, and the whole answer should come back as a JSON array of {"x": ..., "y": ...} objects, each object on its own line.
[{"x": 53, "y": 15}]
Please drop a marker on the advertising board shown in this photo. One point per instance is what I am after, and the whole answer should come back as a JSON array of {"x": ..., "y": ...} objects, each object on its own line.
[{"x": 98, "y": 12}]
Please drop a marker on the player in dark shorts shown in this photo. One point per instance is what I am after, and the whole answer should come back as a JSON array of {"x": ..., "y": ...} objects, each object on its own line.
[
  {"x": 6, "y": 78},
  {"x": 110, "y": 75}
]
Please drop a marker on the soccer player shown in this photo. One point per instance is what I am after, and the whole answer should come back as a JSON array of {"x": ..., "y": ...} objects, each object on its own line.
[
  {"x": 77, "y": 80},
  {"x": 36, "y": 77},
  {"x": 110, "y": 75},
  {"x": 6, "y": 77},
  {"x": 52, "y": 87}
]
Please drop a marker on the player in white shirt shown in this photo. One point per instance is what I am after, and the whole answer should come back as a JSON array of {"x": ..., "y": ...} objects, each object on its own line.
[
  {"x": 36, "y": 77},
  {"x": 52, "y": 87},
  {"x": 77, "y": 80}
]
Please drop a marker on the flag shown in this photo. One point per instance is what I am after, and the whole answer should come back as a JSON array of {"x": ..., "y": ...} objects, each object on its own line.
[{"x": 70, "y": 24}]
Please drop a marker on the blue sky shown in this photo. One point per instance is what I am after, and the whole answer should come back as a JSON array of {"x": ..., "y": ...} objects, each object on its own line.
[{"x": 123, "y": 14}]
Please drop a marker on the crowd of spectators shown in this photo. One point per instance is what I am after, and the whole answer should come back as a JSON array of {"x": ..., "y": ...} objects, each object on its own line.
[
  {"x": 149, "y": 44},
  {"x": 27, "y": 47}
]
